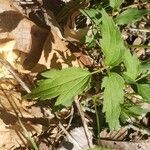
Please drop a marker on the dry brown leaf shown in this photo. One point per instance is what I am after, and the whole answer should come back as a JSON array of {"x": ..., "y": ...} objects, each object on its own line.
[
  {"x": 30, "y": 40},
  {"x": 70, "y": 32},
  {"x": 6, "y": 50},
  {"x": 55, "y": 55},
  {"x": 120, "y": 139},
  {"x": 12, "y": 107},
  {"x": 29, "y": 37},
  {"x": 81, "y": 55},
  {"x": 121, "y": 145}
]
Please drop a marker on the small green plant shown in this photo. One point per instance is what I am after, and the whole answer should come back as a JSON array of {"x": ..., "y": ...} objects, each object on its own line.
[{"x": 120, "y": 70}]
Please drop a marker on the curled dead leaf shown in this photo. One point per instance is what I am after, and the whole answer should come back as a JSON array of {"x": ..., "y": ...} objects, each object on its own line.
[{"x": 81, "y": 55}]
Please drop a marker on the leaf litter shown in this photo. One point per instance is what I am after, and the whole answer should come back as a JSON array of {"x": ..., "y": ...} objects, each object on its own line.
[{"x": 54, "y": 53}]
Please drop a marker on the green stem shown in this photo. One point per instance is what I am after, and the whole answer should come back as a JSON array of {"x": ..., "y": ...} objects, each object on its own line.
[
  {"x": 145, "y": 75},
  {"x": 99, "y": 70},
  {"x": 97, "y": 119},
  {"x": 139, "y": 46}
]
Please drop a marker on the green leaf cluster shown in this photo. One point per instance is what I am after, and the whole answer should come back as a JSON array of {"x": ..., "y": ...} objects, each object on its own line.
[
  {"x": 65, "y": 84},
  {"x": 115, "y": 53}
]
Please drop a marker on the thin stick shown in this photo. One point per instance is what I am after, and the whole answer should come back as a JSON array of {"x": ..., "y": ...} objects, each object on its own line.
[
  {"x": 86, "y": 130},
  {"x": 69, "y": 136},
  {"x": 139, "y": 30},
  {"x": 8, "y": 66},
  {"x": 27, "y": 134},
  {"x": 68, "y": 125}
]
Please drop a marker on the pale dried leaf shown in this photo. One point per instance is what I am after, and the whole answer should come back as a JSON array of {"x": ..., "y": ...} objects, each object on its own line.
[{"x": 6, "y": 52}]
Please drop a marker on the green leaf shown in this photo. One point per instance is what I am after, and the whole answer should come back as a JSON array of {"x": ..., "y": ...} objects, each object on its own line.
[
  {"x": 128, "y": 80},
  {"x": 131, "y": 110},
  {"x": 144, "y": 71},
  {"x": 113, "y": 97},
  {"x": 64, "y": 84},
  {"x": 130, "y": 16},
  {"x": 115, "y": 3},
  {"x": 90, "y": 38},
  {"x": 51, "y": 73},
  {"x": 144, "y": 67},
  {"x": 144, "y": 91},
  {"x": 93, "y": 14},
  {"x": 111, "y": 43},
  {"x": 132, "y": 64}
]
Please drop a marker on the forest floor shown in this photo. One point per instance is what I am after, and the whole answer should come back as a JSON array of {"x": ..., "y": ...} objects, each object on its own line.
[{"x": 36, "y": 35}]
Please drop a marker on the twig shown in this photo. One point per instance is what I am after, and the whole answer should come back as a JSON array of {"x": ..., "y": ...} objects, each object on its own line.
[
  {"x": 8, "y": 66},
  {"x": 27, "y": 134},
  {"x": 69, "y": 136},
  {"x": 86, "y": 130},
  {"x": 140, "y": 30},
  {"x": 70, "y": 120},
  {"x": 68, "y": 125}
]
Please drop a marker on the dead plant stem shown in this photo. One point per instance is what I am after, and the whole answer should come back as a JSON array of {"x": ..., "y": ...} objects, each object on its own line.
[
  {"x": 8, "y": 66},
  {"x": 87, "y": 132}
]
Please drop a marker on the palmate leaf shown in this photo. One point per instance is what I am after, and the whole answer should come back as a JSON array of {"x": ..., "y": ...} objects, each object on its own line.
[
  {"x": 132, "y": 65},
  {"x": 64, "y": 84},
  {"x": 115, "y": 3},
  {"x": 130, "y": 16},
  {"x": 113, "y": 97},
  {"x": 111, "y": 43}
]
